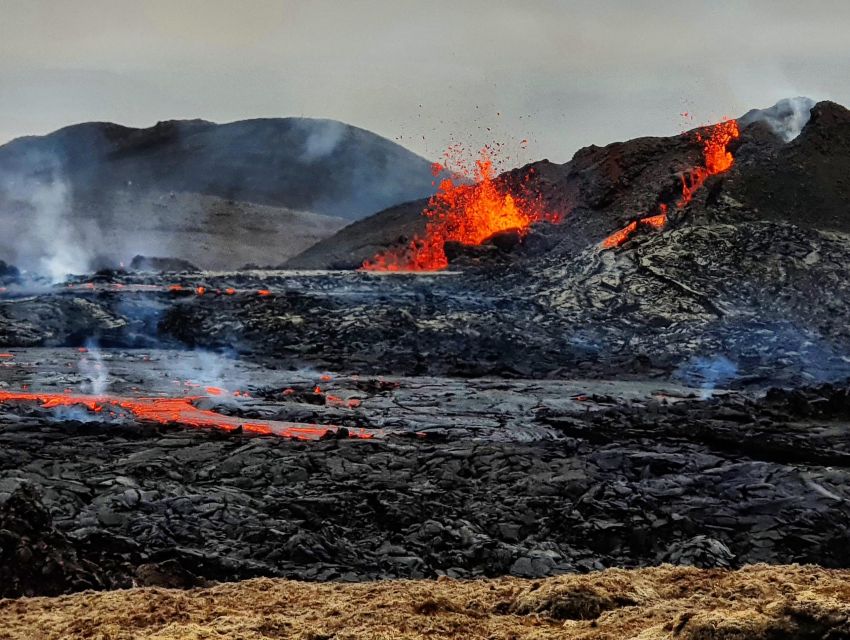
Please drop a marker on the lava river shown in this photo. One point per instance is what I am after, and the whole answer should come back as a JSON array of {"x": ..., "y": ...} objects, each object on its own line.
[
  {"x": 717, "y": 159},
  {"x": 180, "y": 411}
]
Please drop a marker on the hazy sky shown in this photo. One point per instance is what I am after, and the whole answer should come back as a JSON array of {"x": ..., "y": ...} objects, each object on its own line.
[{"x": 561, "y": 74}]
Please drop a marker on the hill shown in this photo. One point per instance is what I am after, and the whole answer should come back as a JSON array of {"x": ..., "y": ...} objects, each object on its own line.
[
  {"x": 777, "y": 176},
  {"x": 65, "y": 191}
]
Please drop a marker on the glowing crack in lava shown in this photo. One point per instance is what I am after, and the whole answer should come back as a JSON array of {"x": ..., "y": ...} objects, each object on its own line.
[
  {"x": 199, "y": 290},
  {"x": 465, "y": 213},
  {"x": 716, "y": 159},
  {"x": 179, "y": 411}
]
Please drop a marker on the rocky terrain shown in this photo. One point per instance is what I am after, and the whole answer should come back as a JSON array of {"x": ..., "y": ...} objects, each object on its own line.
[
  {"x": 757, "y": 603},
  {"x": 220, "y": 196},
  {"x": 460, "y": 478},
  {"x": 544, "y": 406},
  {"x": 737, "y": 281}
]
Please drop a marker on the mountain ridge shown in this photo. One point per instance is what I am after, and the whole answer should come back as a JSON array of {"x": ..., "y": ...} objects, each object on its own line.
[
  {"x": 245, "y": 153},
  {"x": 66, "y": 191}
]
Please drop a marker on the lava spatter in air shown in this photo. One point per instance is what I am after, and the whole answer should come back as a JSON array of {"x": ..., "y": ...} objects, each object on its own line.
[
  {"x": 716, "y": 159},
  {"x": 180, "y": 411},
  {"x": 465, "y": 213}
]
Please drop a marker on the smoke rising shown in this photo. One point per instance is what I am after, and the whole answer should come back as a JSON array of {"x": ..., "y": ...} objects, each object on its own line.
[
  {"x": 44, "y": 237},
  {"x": 94, "y": 371},
  {"x": 94, "y": 195},
  {"x": 786, "y": 118},
  {"x": 323, "y": 136},
  {"x": 707, "y": 373},
  {"x": 209, "y": 369}
]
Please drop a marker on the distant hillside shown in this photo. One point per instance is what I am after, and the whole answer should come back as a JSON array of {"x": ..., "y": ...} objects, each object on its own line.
[
  {"x": 95, "y": 180},
  {"x": 207, "y": 231}
]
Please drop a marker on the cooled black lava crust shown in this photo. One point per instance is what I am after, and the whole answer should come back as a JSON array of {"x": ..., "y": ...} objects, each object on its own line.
[{"x": 712, "y": 483}]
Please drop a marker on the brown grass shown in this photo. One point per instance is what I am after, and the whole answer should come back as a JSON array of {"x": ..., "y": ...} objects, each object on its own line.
[{"x": 666, "y": 602}]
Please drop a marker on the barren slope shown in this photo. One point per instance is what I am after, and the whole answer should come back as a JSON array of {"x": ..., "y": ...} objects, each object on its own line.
[{"x": 208, "y": 231}]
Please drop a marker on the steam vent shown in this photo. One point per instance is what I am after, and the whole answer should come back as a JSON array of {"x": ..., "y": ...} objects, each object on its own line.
[{"x": 380, "y": 320}]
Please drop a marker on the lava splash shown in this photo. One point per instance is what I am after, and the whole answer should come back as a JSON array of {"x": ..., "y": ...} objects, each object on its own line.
[
  {"x": 180, "y": 411},
  {"x": 716, "y": 159},
  {"x": 465, "y": 213}
]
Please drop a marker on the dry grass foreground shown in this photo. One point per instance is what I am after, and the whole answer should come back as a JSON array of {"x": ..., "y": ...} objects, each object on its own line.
[{"x": 663, "y": 602}]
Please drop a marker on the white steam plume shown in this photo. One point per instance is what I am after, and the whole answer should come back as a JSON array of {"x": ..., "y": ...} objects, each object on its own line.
[
  {"x": 209, "y": 369},
  {"x": 322, "y": 138},
  {"x": 45, "y": 238},
  {"x": 94, "y": 371},
  {"x": 786, "y": 118}
]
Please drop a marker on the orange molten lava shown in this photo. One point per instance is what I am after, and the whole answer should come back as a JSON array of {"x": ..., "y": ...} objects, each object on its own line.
[
  {"x": 716, "y": 159},
  {"x": 200, "y": 290},
  {"x": 177, "y": 411},
  {"x": 462, "y": 213}
]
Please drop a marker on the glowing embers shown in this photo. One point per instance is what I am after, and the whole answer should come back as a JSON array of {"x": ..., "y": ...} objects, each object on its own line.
[
  {"x": 465, "y": 213},
  {"x": 180, "y": 411},
  {"x": 716, "y": 159},
  {"x": 619, "y": 237}
]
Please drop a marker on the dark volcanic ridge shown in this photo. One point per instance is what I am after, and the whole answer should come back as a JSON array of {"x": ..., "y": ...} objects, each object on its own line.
[{"x": 602, "y": 189}]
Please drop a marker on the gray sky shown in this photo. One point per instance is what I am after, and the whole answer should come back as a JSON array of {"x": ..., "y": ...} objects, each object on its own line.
[{"x": 561, "y": 74}]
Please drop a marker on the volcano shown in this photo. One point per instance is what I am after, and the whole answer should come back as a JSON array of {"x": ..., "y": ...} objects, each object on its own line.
[
  {"x": 603, "y": 189},
  {"x": 637, "y": 357}
]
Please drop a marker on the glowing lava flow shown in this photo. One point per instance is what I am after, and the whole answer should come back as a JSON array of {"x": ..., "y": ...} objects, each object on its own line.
[
  {"x": 716, "y": 159},
  {"x": 177, "y": 411},
  {"x": 199, "y": 290},
  {"x": 463, "y": 213}
]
